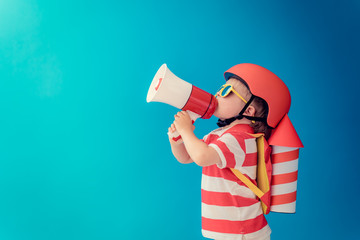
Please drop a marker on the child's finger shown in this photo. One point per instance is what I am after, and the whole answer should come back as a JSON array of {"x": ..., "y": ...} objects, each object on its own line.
[{"x": 182, "y": 113}]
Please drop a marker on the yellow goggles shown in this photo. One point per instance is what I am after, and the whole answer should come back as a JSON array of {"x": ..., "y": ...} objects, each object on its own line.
[{"x": 226, "y": 89}]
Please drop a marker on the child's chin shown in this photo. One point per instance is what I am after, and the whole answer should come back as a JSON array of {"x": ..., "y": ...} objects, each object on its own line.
[
  {"x": 221, "y": 116},
  {"x": 218, "y": 116}
]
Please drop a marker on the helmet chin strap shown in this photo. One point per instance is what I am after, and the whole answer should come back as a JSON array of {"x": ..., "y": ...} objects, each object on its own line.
[{"x": 225, "y": 122}]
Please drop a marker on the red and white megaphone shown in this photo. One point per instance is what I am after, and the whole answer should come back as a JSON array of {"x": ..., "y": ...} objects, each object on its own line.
[{"x": 170, "y": 89}]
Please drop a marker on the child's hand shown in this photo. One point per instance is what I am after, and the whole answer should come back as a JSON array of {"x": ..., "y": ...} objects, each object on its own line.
[
  {"x": 172, "y": 128},
  {"x": 183, "y": 123}
]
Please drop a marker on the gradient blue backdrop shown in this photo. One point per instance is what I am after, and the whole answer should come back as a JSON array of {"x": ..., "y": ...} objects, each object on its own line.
[{"x": 83, "y": 156}]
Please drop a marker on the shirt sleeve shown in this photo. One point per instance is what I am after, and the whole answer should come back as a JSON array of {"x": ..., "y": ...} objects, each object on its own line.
[{"x": 231, "y": 149}]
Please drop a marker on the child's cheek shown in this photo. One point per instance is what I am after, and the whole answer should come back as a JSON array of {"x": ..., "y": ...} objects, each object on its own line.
[{"x": 224, "y": 112}]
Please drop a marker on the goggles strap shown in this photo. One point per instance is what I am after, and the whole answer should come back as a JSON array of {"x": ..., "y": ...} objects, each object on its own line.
[
  {"x": 245, "y": 107},
  {"x": 225, "y": 122}
]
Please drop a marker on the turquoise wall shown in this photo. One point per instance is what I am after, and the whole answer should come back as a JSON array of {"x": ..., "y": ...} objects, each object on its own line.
[{"x": 83, "y": 156}]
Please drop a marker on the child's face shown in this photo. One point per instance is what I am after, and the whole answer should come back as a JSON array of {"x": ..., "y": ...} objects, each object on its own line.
[{"x": 231, "y": 105}]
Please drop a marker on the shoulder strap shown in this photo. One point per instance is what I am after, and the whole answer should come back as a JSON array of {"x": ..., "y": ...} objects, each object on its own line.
[
  {"x": 263, "y": 182},
  {"x": 247, "y": 182},
  {"x": 244, "y": 179}
]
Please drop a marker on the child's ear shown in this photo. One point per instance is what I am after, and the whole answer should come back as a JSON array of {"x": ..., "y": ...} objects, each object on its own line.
[{"x": 250, "y": 111}]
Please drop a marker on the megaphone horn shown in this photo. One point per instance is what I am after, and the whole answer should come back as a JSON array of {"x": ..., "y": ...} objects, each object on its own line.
[{"x": 166, "y": 87}]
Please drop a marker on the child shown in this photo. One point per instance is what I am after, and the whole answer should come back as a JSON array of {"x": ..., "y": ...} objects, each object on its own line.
[{"x": 230, "y": 210}]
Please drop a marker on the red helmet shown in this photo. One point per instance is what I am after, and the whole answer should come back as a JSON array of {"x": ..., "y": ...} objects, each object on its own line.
[{"x": 265, "y": 84}]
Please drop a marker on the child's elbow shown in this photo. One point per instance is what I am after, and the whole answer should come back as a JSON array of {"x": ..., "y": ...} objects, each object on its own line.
[
  {"x": 207, "y": 158},
  {"x": 185, "y": 161},
  {"x": 202, "y": 160}
]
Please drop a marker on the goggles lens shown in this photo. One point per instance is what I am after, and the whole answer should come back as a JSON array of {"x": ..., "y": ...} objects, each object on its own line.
[{"x": 227, "y": 89}]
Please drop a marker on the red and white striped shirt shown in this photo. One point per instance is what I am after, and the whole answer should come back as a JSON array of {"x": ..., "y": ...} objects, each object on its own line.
[{"x": 230, "y": 210}]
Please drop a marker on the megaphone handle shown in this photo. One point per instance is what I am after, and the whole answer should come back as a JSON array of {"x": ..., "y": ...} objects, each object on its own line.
[
  {"x": 193, "y": 116},
  {"x": 175, "y": 135}
]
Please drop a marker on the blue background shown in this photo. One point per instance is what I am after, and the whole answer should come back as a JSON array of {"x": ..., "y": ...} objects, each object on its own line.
[{"x": 83, "y": 156}]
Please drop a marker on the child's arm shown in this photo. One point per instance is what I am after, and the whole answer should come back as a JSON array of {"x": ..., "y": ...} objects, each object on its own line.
[
  {"x": 198, "y": 151},
  {"x": 179, "y": 150}
]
